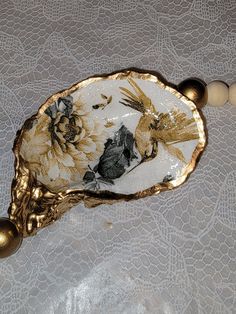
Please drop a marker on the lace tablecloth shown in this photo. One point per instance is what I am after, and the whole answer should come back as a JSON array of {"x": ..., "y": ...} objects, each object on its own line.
[{"x": 172, "y": 253}]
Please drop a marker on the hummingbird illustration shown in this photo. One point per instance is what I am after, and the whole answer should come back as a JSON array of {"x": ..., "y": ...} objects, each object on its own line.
[{"x": 155, "y": 127}]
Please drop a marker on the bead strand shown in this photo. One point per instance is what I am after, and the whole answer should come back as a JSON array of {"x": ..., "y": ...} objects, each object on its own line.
[{"x": 215, "y": 94}]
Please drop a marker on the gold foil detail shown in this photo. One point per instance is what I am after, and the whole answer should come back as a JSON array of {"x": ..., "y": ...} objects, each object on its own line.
[{"x": 34, "y": 207}]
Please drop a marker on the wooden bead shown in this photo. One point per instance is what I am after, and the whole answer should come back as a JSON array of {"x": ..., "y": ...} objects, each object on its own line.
[
  {"x": 218, "y": 93},
  {"x": 232, "y": 94}
]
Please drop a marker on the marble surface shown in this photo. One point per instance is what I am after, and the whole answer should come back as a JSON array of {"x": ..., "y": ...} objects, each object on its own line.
[{"x": 172, "y": 253}]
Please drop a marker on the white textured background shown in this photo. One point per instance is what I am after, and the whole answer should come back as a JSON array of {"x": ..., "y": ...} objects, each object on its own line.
[{"x": 173, "y": 253}]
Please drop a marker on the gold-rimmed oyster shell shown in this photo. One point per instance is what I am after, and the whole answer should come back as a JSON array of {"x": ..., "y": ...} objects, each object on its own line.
[{"x": 108, "y": 138}]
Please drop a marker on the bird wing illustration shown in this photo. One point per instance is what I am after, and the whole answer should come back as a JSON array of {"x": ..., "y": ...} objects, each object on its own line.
[
  {"x": 139, "y": 101},
  {"x": 175, "y": 127}
]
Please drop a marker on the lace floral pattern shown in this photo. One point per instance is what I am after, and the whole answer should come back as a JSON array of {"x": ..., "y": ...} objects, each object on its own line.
[{"x": 169, "y": 253}]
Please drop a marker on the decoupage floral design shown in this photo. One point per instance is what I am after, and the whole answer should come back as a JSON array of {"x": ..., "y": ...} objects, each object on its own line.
[
  {"x": 153, "y": 128},
  {"x": 62, "y": 142},
  {"x": 68, "y": 146},
  {"x": 117, "y": 157}
]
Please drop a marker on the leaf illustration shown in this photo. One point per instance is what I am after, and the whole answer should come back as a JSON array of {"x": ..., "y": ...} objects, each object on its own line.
[
  {"x": 89, "y": 176},
  {"x": 109, "y": 100},
  {"x": 168, "y": 178},
  {"x": 117, "y": 155},
  {"x": 95, "y": 169},
  {"x": 102, "y": 106},
  {"x": 174, "y": 151},
  {"x": 103, "y": 96},
  {"x": 106, "y": 181},
  {"x": 63, "y": 104}
]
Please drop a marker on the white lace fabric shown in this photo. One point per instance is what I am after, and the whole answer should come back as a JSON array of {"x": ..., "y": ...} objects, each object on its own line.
[{"x": 171, "y": 253}]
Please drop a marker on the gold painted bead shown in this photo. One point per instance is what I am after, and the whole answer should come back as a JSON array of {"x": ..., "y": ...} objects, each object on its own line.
[
  {"x": 195, "y": 90},
  {"x": 10, "y": 238}
]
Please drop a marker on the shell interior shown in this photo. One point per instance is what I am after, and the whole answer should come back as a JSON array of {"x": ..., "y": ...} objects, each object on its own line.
[{"x": 123, "y": 133}]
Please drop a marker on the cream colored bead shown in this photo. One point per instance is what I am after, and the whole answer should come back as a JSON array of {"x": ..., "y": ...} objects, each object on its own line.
[
  {"x": 218, "y": 93},
  {"x": 232, "y": 94}
]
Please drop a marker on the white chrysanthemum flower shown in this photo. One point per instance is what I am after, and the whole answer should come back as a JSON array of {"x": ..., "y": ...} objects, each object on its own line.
[{"x": 61, "y": 144}]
